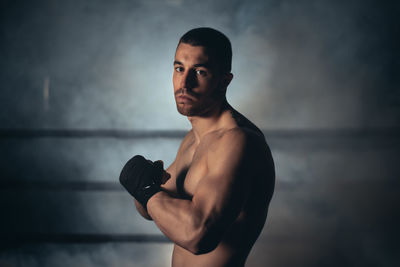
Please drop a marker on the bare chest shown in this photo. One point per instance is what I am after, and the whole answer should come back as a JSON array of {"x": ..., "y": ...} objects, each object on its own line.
[{"x": 191, "y": 168}]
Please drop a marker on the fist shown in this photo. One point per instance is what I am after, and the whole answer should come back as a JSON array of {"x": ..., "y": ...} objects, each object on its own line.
[{"x": 142, "y": 178}]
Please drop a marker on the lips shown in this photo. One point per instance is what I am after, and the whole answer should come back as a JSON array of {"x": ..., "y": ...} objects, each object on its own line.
[{"x": 184, "y": 99}]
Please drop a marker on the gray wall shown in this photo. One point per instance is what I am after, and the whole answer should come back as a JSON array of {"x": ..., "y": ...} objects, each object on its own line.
[{"x": 87, "y": 84}]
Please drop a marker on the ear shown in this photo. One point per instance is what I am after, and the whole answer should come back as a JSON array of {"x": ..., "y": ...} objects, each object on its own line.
[{"x": 225, "y": 81}]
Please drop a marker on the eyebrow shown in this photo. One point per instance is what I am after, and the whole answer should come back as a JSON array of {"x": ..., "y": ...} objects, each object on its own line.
[
  {"x": 204, "y": 65},
  {"x": 176, "y": 62}
]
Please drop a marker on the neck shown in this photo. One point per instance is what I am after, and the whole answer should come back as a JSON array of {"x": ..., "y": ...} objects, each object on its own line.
[{"x": 202, "y": 125}]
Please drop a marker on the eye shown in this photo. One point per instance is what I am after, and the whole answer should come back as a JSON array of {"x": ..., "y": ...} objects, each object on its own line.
[
  {"x": 201, "y": 72},
  {"x": 178, "y": 69}
]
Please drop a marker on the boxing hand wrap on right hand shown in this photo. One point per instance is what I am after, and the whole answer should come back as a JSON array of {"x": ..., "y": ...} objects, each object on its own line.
[{"x": 142, "y": 178}]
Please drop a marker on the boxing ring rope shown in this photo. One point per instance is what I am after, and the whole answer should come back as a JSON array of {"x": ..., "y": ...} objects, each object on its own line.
[
  {"x": 68, "y": 238},
  {"x": 175, "y": 134},
  {"x": 388, "y": 136}
]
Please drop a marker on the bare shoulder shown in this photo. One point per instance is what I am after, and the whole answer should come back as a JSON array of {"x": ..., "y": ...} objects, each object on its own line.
[
  {"x": 256, "y": 141},
  {"x": 238, "y": 138},
  {"x": 226, "y": 147},
  {"x": 229, "y": 137}
]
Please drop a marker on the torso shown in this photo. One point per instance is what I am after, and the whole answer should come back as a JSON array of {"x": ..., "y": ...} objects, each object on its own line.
[{"x": 191, "y": 166}]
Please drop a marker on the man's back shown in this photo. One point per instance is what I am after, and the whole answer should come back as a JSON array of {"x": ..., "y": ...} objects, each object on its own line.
[{"x": 192, "y": 163}]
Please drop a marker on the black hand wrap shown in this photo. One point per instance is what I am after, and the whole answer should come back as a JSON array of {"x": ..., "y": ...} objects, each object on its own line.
[{"x": 141, "y": 178}]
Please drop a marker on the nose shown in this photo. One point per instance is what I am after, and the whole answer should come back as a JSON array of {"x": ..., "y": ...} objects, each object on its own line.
[{"x": 188, "y": 80}]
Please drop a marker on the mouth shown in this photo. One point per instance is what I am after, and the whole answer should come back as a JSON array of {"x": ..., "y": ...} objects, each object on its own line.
[{"x": 183, "y": 98}]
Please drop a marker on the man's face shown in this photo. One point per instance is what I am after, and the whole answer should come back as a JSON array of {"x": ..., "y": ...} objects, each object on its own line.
[{"x": 196, "y": 82}]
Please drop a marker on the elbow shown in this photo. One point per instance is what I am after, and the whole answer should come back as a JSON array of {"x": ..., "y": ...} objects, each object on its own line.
[
  {"x": 200, "y": 249},
  {"x": 203, "y": 240}
]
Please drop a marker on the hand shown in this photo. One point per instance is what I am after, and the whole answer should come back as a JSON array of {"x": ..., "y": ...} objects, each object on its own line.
[
  {"x": 143, "y": 178},
  {"x": 165, "y": 175}
]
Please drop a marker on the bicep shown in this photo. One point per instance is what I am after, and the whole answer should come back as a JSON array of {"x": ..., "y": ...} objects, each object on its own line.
[
  {"x": 221, "y": 193},
  {"x": 219, "y": 199}
]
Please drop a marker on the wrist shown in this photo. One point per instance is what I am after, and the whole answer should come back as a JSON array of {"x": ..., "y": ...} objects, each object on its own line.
[{"x": 147, "y": 193}]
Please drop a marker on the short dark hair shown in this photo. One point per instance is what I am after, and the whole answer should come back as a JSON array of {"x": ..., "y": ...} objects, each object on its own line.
[{"x": 215, "y": 42}]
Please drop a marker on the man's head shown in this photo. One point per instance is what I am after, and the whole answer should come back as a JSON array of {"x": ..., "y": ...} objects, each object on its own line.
[
  {"x": 216, "y": 45},
  {"x": 202, "y": 68}
]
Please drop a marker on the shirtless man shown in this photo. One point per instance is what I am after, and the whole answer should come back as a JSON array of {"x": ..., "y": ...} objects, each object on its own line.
[{"x": 212, "y": 202}]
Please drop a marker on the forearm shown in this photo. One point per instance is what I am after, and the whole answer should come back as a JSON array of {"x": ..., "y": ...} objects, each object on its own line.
[{"x": 177, "y": 219}]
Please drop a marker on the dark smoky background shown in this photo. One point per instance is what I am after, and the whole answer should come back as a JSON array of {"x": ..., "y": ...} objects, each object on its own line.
[{"x": 86, "y": 84}]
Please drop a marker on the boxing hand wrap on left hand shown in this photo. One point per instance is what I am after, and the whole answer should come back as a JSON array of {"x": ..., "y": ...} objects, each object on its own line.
[{"x": 142, "y": 178}]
